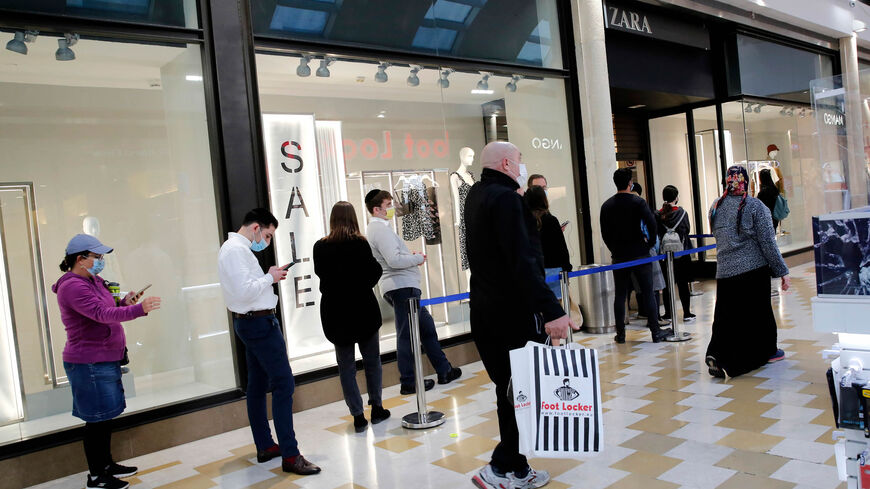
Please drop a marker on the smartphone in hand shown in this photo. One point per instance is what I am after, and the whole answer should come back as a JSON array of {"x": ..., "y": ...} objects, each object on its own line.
[
  {"x": 287, "y": 266},
  {"x": 139, "y": 294}
]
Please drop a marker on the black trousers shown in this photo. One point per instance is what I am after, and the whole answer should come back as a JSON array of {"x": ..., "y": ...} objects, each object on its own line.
[
  {"x": 98, "y": 446},
  {"x": 682, "y": 265},
  {"x": 622, "y": 279}
]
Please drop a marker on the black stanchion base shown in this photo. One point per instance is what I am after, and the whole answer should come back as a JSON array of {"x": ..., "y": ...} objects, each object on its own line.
[{"x": 431, "y": 420}]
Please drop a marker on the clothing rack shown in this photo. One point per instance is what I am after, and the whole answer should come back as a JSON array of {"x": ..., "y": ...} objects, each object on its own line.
[{"x": 392, "y": 176}]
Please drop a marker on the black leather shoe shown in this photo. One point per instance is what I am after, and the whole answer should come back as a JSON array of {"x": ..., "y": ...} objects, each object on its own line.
[
  {"x": 620, "y": 338},
  {"x": 299, "y": 466},
  {"x": 660, "y": 335},
  {"x": 412, "y": 389},
  {"x": 452, "y": 375},
  {"x": 268, "y": 454},
  {"x": 379, "y": 414},
  {"x": 360, "y": 423}
]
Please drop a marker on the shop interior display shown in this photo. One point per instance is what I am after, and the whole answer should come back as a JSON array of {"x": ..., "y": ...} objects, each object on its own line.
[
  {"x": 460, "y": 183},
  {"x": 842, "y": 253}
]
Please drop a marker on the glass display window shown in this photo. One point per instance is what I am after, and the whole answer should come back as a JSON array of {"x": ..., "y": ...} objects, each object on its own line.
[
  {"x": 417, "y": 132},
  {"x": 115, "y": 145}
]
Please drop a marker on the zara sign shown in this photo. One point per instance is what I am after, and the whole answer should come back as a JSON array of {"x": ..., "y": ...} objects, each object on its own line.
[
  {"x": 633, "y": 21},
  {"x": 654, "y": 23}
]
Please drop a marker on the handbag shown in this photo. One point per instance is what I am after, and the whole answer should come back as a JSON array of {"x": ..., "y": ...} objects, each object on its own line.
[
  {"x": 557, "y": 400},
  {"x": 780, "y": 209}
]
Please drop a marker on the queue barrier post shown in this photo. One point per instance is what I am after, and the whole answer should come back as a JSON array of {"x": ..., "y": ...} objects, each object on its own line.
[
  {"x": 566, "y": 299},
  {"x": 423, "y": 418},
  {"x": 677, "y": 335}
]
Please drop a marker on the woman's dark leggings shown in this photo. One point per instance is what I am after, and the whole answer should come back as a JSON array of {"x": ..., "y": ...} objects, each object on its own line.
[{"x": 98, "y": 446}]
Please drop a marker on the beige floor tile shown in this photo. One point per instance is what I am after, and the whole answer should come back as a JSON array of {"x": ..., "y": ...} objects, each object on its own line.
[
  {"x": 487, "y": 429},
  {"x": 747, "y": 408},
  {"x": 460, "y": 463},
  {"x": 638, "y": 481},
  {"x": 741, "y": 421},
  {"x": 753, "y": 463},
  {"x": 652, "y": 442},
  {"x": 472, "y": 446},
  {"x": 222, "y": 467},
  {"x": 279, "y": 482},
  {"x": 489, "y": 414},
  {"x": 821, "y": 402},
  {"x": 195, "y": 482},
  {"x": 557, "y": 485},
  {"x": 827, "y": 437},
  {"x": 245, "y": 450},
  {"x": 480, "y": 379},
  {"x": 668, "y": 397},
  {"x": 746, "y": 481},
  {"x": 288, "y": 476},
  {"x": 449, "y": 403},
  {"x": 745, "y": 393},
  {"x": 824, "y": 419},
  {"x": 662, "y": 409},
  {"x": 747, "y": 440},
  {"x": 554, "y": 466},
  {"x": 398, "y": 444},
  {"x": 671, "y": 383},
  {"x": 658, "y": 425},
  {"x": 344, "y": 428},
  {"x": 393, "y": 402},
  {"x": 649, "y": 464},
  {"x": 158, "y": 468},
  {"x": 351, "y": 486},
  {"x": 465, "y": 391},
  {"x": 133, "y": 480}
]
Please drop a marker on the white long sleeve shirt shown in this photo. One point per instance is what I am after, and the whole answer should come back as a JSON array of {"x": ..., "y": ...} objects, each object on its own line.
[
  {"x": 243, "y": 283},
  {"x": 399, "y": 264}
]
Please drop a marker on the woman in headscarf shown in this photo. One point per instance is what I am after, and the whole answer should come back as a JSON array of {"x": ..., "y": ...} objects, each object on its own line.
[{"x": 744, "y": 328}]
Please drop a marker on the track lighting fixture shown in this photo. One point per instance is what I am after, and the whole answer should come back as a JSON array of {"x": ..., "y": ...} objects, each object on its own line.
[
  {"x": 64, "y": 53},
  {"x": 303, "y": 69},
  {"x": 18, "y": 42},
  {"x": 783, "y": 111},
  {"x": 758, "y": 108},
  {"x": 443, "y": 82},
  {"x": 748, "y": 108},
  {"x": 325, "y": 63},
  {"x": 512, "y": 85},
  {"x": 483, "y": 84},
  {"x": 413, "y": 79},
  {"x": 803, "y": 113},
  {"x": 381, "y": 75}
]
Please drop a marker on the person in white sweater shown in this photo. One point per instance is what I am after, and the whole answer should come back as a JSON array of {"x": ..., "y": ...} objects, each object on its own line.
[{"x": 399, "y": 282}]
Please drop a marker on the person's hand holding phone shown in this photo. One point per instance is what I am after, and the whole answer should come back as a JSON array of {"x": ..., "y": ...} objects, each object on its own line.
[
  {"x": 133, "y": 297},
  {"x": 278, "y": 273},
  {"x": 150, "y": 304}
]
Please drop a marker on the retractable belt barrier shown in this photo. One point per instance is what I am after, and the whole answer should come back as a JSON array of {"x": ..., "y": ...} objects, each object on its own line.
[{"x": 423, "y": 418}]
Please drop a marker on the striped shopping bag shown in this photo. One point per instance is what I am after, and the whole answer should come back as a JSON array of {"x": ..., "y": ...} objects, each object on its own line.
[{"x": 557, "y": 400}]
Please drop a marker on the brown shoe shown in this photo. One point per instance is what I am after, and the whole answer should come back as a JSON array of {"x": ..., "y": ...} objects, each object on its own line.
[{"x": 299, "y": 466}]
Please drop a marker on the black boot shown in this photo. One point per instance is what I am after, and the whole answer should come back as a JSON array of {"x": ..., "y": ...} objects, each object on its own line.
[
  {"x": 360, "y": 423},
  {"x": 379, "y": 414}
]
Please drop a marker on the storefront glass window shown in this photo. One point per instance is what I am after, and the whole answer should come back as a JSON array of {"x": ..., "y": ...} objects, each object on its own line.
[
  {"x": 405, "y": 129},
  {"x": 510, "y": 31},
  {"x": 115, "y": 145},
  {"x": 670, "y": 156},
  {"x": 769, "y": 69},
  {"x": 176, "y": 13}
]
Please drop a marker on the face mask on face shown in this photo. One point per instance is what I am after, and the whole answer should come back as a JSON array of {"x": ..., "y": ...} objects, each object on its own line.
[
  {"x": 97, "y": 267},
  {"x": 391, "y": 213},
  {"x": 259, "y": 245},
  {"x": 524, "y": 175}
]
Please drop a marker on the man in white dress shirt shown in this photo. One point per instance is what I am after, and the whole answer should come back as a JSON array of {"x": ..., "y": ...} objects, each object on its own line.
[{"x": 249, "y": 295}]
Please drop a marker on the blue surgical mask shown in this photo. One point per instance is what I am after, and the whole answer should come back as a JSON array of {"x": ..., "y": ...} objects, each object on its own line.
[
  {"x": 259, "y": 245},
  {"x": 97, "y": 267}
]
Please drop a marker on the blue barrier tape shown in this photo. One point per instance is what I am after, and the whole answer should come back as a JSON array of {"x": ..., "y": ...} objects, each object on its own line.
[
  {"x": 578, "y": 273},
  {"x": 701, "y": 236}
]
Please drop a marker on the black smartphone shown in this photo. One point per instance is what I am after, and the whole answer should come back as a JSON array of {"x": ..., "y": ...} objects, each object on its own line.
[
  {"x": 565, "y": 224},
  {"x": 287, "y": 267}
]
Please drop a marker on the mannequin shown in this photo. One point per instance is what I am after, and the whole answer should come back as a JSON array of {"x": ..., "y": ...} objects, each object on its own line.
[
  {"x": 459, "y": 180},
  {"x": 772, "y": 151}
]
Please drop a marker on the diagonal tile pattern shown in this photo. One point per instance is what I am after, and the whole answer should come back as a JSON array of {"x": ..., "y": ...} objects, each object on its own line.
[{"x": 667, "y": 425}]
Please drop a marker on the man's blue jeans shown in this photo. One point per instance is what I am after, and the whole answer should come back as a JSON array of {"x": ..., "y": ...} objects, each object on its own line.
[
  {"x": 428, "y": 336},
  {"x": 268, "y": 369}
]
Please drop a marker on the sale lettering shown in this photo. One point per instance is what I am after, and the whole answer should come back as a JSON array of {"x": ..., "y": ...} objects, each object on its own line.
[
  {"x": 407, "y": 148},
  {"x": 296, "y": 202}
]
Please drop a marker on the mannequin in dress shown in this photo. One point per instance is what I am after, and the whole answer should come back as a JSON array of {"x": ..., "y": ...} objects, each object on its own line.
[{"x": 460, "y": 181}]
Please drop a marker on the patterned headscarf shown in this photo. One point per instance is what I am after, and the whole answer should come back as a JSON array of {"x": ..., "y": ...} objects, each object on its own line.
[{"x": 736, "y": 183}]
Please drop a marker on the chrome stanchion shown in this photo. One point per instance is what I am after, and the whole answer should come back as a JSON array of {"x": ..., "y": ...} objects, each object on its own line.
[
  {"x": 566, "y": 299},
  {"x": 422, "y": 418},
  {"x": 677, "y": 335}
]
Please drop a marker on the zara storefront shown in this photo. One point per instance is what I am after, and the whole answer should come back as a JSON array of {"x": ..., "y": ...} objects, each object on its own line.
[{"x": 156, "y": 124}]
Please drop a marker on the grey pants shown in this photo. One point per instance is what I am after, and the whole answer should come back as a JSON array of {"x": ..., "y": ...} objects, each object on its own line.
[{"x": 371, "y": 353}]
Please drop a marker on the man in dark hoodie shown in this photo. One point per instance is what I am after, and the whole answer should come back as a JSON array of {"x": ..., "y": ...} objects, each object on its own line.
[
  {"x": 672, "y": 217},
  {"x": 621, "y": 219}
]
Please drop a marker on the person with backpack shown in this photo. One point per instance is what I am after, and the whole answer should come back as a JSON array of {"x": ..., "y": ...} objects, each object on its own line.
[
  {"x": 770, "y": 195},
  {"x": 673, "y": 230}
]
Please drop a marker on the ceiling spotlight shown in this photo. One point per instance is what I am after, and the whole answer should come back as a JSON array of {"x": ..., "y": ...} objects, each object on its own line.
[
  {"x": 483, "y": 84},
  {"x": 303, "y": 69},
  {"x": 64, "y": 53},
  {"x": 413, "y": 79},
  {"x": 443, "y": 82},
  {"x": 791, "y": 111},
  {"x": 748, "y": 108},
  {"x": 325, "y": 63},
  {"x": 381, "y": 75},
  {"x": 758, "y": 108},
  {"x": 512, "y": 85},
  {"x": 16, "y": 45},
  {"x": 782, "y": 111}
]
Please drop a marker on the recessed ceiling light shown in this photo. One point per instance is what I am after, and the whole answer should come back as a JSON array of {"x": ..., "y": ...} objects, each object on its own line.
[
  {"x": 638, "y": 106},
  {"x": 193, "y": 78},
  {"x": 478, "y": 91}
]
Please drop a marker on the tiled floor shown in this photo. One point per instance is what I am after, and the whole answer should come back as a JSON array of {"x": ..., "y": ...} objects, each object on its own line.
[{"x": 667, "y": 425}]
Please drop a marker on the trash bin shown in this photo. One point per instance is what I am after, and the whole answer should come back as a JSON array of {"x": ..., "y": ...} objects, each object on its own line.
[{"x": 596, "y": 301}]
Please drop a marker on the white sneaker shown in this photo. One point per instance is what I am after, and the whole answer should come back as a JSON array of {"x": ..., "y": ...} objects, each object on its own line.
[
  {"x": 487, "y": 479},
  {"x": 535, "y": 479}
]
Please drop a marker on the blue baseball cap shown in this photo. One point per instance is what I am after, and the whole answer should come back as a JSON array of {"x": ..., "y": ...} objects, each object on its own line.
[{"x": 86, "y": 242}]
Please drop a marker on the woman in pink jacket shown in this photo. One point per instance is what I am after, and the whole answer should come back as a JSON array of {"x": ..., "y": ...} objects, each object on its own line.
[{"x": 94, "y": 348}]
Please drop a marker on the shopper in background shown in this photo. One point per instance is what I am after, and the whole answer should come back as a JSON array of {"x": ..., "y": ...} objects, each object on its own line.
[
  {"x": 249, "y": 295},
  {"x": 539, "y": 180},
  {"x": 768, "y": 193},
  {"x": 621, "y": 229},
  {"x": 510, "y": 301},
  {"x": 349, "y": 311},
  {"x": 672, "y": 217},
  {"x": 658, "y": 277},
  {"x": 747, "y": 256},
  {"x": 401, "y": 281},
  {"x": 553, "y": 246},
  {"x": 94, "y": 348}
]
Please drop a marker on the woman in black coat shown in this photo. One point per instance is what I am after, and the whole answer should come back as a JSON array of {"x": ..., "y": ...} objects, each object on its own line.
[
  {"x": 349, "y": 311},
  {"x": 553, "y": 245}
]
